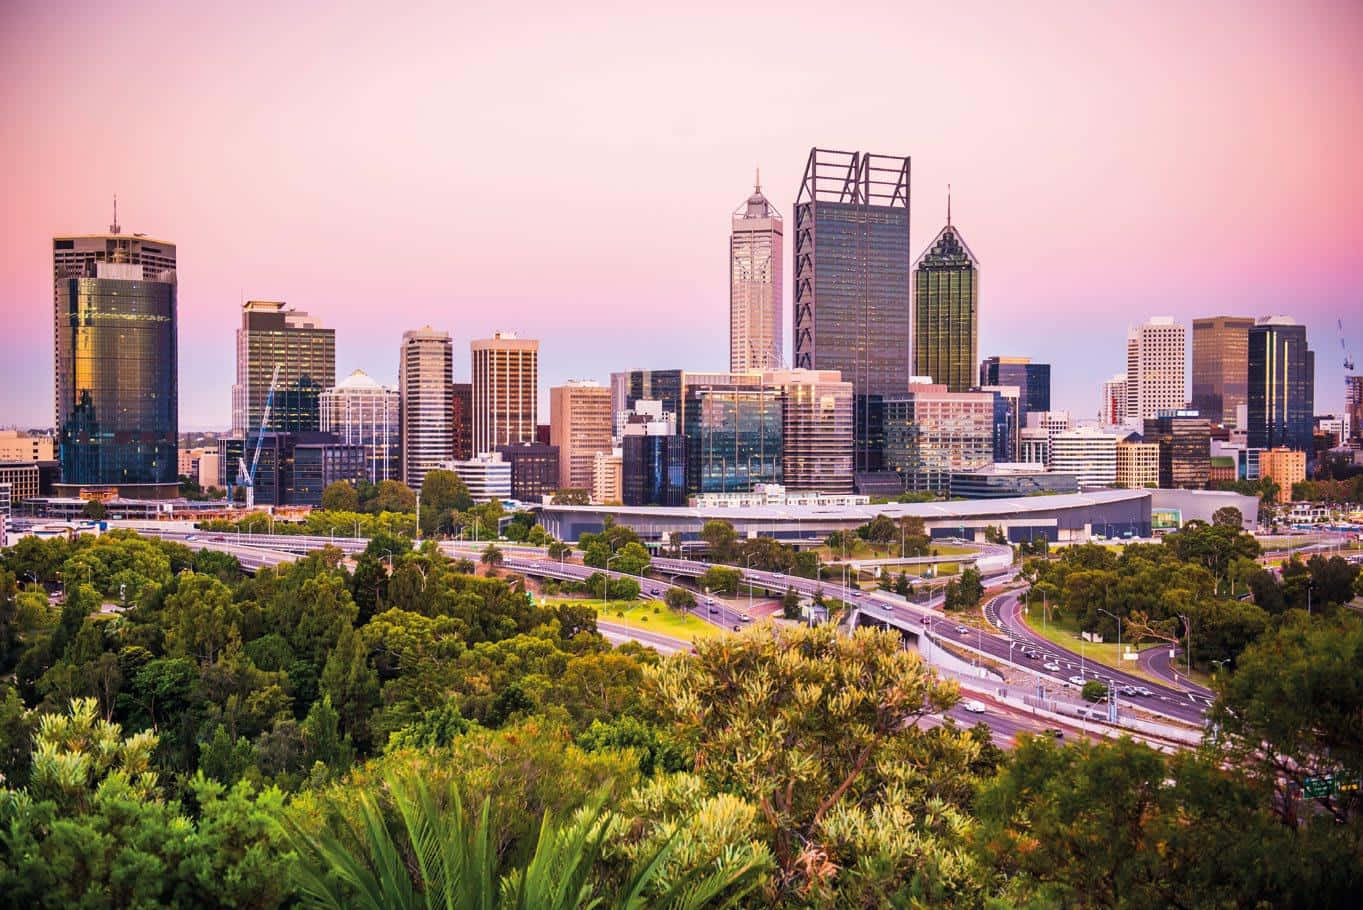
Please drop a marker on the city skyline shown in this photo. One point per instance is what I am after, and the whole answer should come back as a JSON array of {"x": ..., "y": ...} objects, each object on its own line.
[{"x": 1069, "y": 228}]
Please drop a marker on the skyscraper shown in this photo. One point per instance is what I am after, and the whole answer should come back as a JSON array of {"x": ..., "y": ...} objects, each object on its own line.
[
  {"x": 1156, "y": 368},
  {"x": 359, "y": 411},
  {"x": 506, "y": 373},
  {"x": 1220, "y": 365},
  {"x": 305, "y": 353},
  {"x": 946, "y": 305},
  {"x": 580, "y": 424},
  {"x": 732, "y": 424},
  {"x": 1113, "y": 410},
  {"x": 851, "y": 300},
  {"x": 1033, "y": 381},
  {"x": 755, "y": 272},
  {"x": 816, "y": 429},
  {"x": 463, "y": 421},
  {"x": 424, "y": 370},
  {"x": 1353, "y": 407},
  {"x": 932, "y": 432},
  {"x": 1185, "y": 446},
  {"x": 1281, "y": 394},
  {"x": 114, "y": 319}
]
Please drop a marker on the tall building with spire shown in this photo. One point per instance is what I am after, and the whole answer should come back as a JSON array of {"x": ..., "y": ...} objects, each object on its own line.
[
  {"x": 755, "y": 270},
  {"x": 852, "y": 308},
  {"x": 946, "y": 303},
  {"x": 115, "y": 301}
]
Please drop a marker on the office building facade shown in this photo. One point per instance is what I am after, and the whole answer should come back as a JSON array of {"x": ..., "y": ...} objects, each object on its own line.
[
  {"x": 1281, "y": 393},
  {"x": 22, "y": 478},
  {"x": 1353, "y": 409},
  {"x": 631, "y": 386},
  {"x": 1007, "y": 481},
  {"x": 16, "y": 446},
  {"x": 816, "y": 429},
  {"x": 580, "y": 424},
  {"x": 505, "y": 390},
  {"x": 361, "y": 412},
  {"x": 305, "y": 353},
  {"x": 733, "y": 428},
  {"x": 852, "y": 307},
  {"x": 1185, "y": 448},
  {"x": 932, "y": 433},
  {"x": 534, "y": 469},
  {"x": 1033, "y": 381},
  {"x": 294, "y": 468},
  {"x": 1088, "y": 453},
  {"x": 116, "y": 363},
  {"x": 1156, "y": 369},
  {"x": 1286, "y": 466},
  {"x": 756, "y": 244},
  {"x": 946, "y": 304},
  {"x": 1137, "y": 464},
  {"x": 461, "y": 420},
  {"x": 1112, "y": 410},
  {"x": 1220, "y": 366},
  {"x": 487, "y": 476},
  {"x": 425, "y": 366},
  {"x": 608, "y": 469},
  {"x": 1007, "y": 423},
  {"x": 653, "y": 468}
]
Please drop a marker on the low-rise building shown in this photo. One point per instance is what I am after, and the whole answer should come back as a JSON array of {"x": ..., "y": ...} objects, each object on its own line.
[
  {"x": 23, "y": 478},
  {"x": 1088, "y": 453},
  {"x": 1002, "y": 480},
  {"x": 608, "y": 477},
  {"x": 1137, "y": 464},
  {"x": 16, "y": 446},
  {"x": 1286, "y": 466},
  {"x": 535, "y": 470},
  {"x": 775, "y": 494},
  {"x": 487, "y": 476}
]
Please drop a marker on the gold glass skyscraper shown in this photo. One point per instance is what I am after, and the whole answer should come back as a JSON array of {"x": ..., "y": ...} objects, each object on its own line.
[
  {"x": 1220, "y": 365},
  {"x": 946, "y": 302}
]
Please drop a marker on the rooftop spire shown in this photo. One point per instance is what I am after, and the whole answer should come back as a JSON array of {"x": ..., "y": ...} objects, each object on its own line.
[
  {"x": 758, "y": 187},
  {"x": 113, "y": 228},
  {"x": 948, "y": 205}
]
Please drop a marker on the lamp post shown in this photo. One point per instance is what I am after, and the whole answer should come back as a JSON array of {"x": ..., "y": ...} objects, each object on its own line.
[
  {"x": 605, "y": 578},
  {"x": 1188, "y": 641},
  {"x": 748, "y": 563},
  {"x": 1119, "y": 630}
]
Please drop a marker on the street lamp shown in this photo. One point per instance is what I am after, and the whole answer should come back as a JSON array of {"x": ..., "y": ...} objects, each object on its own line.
[
  {"x": 748, "y": 563},
  {"x": 1119, "y": 630},
  {"x": 605, "y": 577}
]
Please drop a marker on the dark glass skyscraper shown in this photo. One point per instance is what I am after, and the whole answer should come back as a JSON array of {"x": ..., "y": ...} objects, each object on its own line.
[
  {"x": 653, "y": 471},
  {"x": 1220, "y": 365},
  {"x": 946, "y": 307},
  {"x": 1032, "y": 379},
  {"x": 117, "y": 410},
  {"x": 733, "y": 433},
  {"x": 1281, "y": 388},
  {"x": 852, "y": 274}
]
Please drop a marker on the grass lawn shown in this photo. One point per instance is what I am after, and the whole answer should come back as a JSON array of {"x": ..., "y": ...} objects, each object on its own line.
[
  {"x": 650, "y": 616},
  {"x": 1064, "y": 632}
]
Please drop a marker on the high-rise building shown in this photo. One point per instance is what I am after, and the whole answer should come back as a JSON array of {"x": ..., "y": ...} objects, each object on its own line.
[
  {"x": 361, "y": 412},
  {"x": 580, "y": 424},
  {"x": 116, "y": 360},
  {"x": 852, "y": 307},
  {"x": 1281, "y": 395},
  {"x": 305, "y": 353},
  {"x": 1088, "y": 453},
  {"x": 1156, "y": 368},
  {"x": 1220, "y": 365},
  {"x": 1137, "y": 464},
  {"x": 932, "y": 433},
  {"x": 1353, "y": 408},
  {"x": 946, "y": 311},
  {"x": 816, "y": 429},
  {"x": 653, "y": 463},
  {"x": 294, "y": 468},
  {"x": 506, "y": 373},
  {"x": 425, "y": 367},
  {"x": 534, "y": 469},
  {"x": 755, "y": 273},
  {"x": 1033, "y": 381},
  {"x": 1113, "y": 410},
  {"x": 1007, "y": 411},
  {"x": 1286, "y": 466},
  {"x": 733, "y": 428},
  {"x": 462, "y": 420},
  {"x": 631, "y": 386},
  {"x": 1185, "y": 448},
  {"x": 15, "y": 446}
]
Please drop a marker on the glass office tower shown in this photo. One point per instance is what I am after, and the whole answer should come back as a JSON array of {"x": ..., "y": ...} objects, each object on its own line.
[
  {"x": 305, "y": 352},
  {"x": 117, "y": 410},
  {"x": 852, "y": 276},
  {"x": 946, "y": 301},
  {"x": 733, "y": 435},
  {"x": 1281, "y": 388},
  {"x": 1220, "y": 366},
  {"x": 1032, "y": 379}
]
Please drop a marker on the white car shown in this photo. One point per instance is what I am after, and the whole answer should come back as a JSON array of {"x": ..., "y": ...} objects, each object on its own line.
[
  {"x": 1078, "y": 680},
  {"x": 974, "y": 707},
  {"x": 962, "y": 630},
  {"x": 1052, "y": 667},
  {"x": 746, "y": 618}
]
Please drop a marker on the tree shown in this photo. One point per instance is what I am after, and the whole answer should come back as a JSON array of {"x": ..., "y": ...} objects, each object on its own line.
[
  {"x": 442, "y": 493},
  {"x": 201, "y": 618},
  {"x": 880, "y": 529},
  {"x": 720, "y": 537},
  {"x": 808, "y": 724},
  {"x": 340, "y": 496},
  {"x": 631, "y": 559},
  {"x": 572, "y": 497},
  {"x": 721, "y": 580},
  {"x": 94, "y": 510},
  {"x": 1228, "y": 517},
  {"x": 790, "y": 604},
  {"x": 1094, "y": 691},
  {"x": 679, "y": 599},
  {"x": 492, "y": 556},
  {"x": 455, "y": 863},
  {"x": 393, "y": 496}
]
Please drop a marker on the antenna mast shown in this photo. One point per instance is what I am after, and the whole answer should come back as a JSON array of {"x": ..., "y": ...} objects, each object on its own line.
[{"x": 113, "y": 228}]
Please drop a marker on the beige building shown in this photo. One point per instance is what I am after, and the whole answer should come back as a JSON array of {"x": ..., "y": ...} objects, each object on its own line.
[
  {"x": 506, "y": 374},
  {"x": 816, "y": 429},
  {"x": 1286, "y": 466},
  {"x": 425, "y": 370},
  {"x": 15, "y": 446},
  {"x": 755, "y": 274},
  {"x": 23, "y": 480},
  {"x": 1138, "y": 465},
  {"x": 207, "y": 467},
  {"x": 1156, "y": 369},
  {"x": 1088, "y": 453},
  {"x": 580, "y": 425},
  {"x": 607, "y": 478}
]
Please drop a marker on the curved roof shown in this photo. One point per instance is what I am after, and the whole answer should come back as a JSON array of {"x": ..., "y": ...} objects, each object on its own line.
[{"x": 359, "y": 381}]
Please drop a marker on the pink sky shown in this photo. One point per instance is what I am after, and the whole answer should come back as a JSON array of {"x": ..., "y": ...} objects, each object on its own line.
[{"x": 567, "y": 171}]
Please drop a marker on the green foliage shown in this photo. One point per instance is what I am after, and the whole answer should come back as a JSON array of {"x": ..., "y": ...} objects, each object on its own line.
[
  {"x": 572, "y": 497},
  {"x": 442, "y": 495},
  {"x": 1094, "y": 691},
  {"x": 340, "y": 496},
  {"x": 790, "y": 604},
  {"x": 964, "y": 593},
  {"x": 679, "y": 599},
  {"x": 721, "y": 580}
]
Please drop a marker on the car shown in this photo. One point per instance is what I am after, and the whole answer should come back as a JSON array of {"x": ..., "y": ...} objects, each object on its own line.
[
  {"x": 973, "y": 706},
  {"x": 856, "y": 593},
  {"x": 1077, "y": 680},
  {"x": 1052, "y": 666},
  {"x": 1031, "y": 655},
  {"x": 709, "y": 601},
  {"x": 745, "y": 617},
  {"x": 962, "y": 630},
  {"x": 1053, "y": 731},
  {"x": 737, "y": 627},
  {"x": 1128, "y": 690},
  {"x": 714, "y": 610},
  {"x": 192, "y": 537},
  {"x": 778, "y": 574},
  {"x": 1143, "y": 691}
]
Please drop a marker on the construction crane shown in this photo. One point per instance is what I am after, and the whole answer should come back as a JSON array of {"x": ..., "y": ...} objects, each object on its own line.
[
  {"x": 1348, "y": 361},
  {"x": 246, "y": 477}
]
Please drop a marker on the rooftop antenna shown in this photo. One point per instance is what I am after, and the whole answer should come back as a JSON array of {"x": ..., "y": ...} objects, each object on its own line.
[
  {"x": 759, "y": 181},
  {"x": 948, "y": 205},
  {"x": 113, "y": 228}
]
